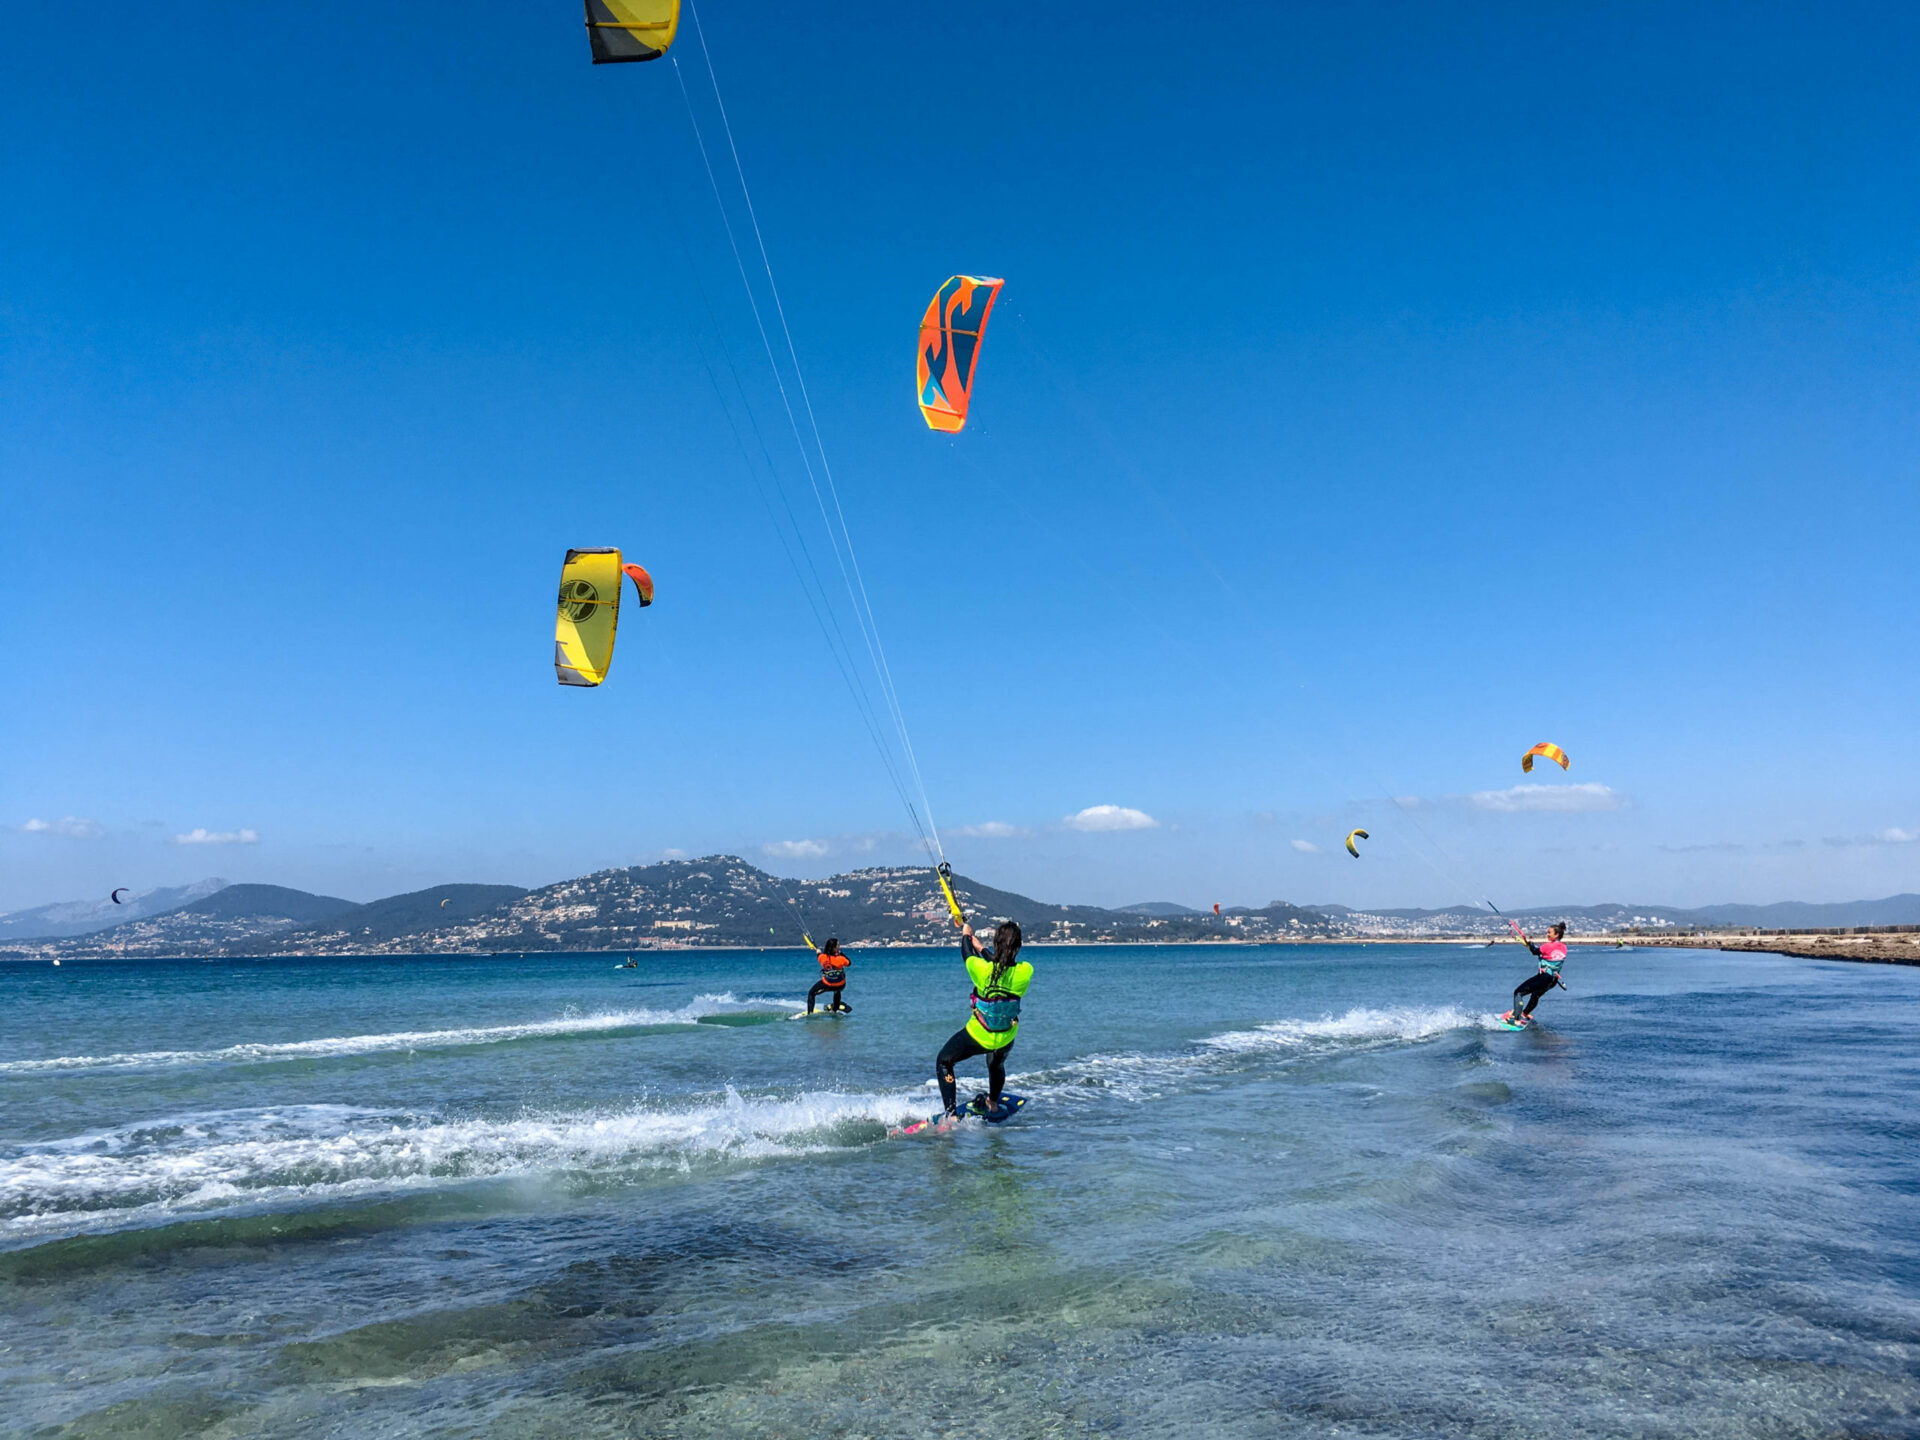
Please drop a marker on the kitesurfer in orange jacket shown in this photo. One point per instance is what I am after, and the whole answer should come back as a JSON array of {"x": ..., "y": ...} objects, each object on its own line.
[{"x": 833, "y": 979}]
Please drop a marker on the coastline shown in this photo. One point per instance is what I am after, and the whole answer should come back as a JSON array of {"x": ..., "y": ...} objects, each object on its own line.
[
  {"x": 1872, "y": 945},
  {"x": 1866, "y": 945}
]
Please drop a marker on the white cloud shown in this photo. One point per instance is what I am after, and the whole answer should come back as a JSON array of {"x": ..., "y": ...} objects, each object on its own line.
[
  {"x": 1891, "y": 836},
  {"x": 1305, "y": 847},
  {"x": 1561, "y": 799},
  {"x": 1110, "y": 817},
  {"x": 990, "y": 830},
  {"x": 200, "y": 835},
  {"x": 67, "y": 827},
  {"x": 795, "y": 849}
]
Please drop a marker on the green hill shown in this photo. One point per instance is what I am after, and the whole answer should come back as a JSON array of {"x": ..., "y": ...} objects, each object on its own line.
[
  {"x": 407, "y": 914},
  {"x": 248, "y": 902}
]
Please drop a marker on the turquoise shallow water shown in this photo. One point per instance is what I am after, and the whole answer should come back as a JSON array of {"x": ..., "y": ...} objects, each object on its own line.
[{"x": 1259, "y": 1192}]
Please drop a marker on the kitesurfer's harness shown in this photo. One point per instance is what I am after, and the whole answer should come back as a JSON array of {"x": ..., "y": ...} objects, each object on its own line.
[{"x": 998, "y": 1011}]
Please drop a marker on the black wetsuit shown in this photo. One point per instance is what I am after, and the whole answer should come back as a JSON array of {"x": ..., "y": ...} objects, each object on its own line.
[
  {"x": 821, "y": 987},
  {"x": 1530, "y": 990},
  {"x": 964, "y": 1047}
]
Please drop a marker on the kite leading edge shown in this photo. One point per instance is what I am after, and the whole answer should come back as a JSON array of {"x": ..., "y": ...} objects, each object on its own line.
[{"x": 631, "y": 29}]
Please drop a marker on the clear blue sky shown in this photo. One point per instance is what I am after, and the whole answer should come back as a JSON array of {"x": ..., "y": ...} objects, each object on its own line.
[{"x": 1377, "y": 389}]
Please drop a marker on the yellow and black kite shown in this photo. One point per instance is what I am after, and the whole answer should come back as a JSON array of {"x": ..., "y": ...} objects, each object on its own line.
[
  {"x": 631, "y": 29},
  {"x": 590, "y": 613}
]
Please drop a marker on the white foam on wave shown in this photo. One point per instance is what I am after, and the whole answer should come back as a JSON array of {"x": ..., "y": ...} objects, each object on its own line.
[
  {"x": 1362, "y": 1026},
  {"x": 1141, "y": 1076},
  {"x": 256, "y": 1052},
  {"x": 234, "y": 1161}
]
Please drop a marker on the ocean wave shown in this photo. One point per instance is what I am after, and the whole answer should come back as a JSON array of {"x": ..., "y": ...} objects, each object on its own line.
[
  {"x": 223, "y": 1162},
  {"x": 257, "y": 1052}
]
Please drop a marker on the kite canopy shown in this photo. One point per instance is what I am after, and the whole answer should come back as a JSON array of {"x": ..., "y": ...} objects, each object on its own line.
[
  {"x": 115, "y": 896},
  {"x": 590, "y": 613},
  {"x": 1551, "y": 751},
  {"x": 631, "y": 29},
  {"x": 1352, "y": 835},
  {"x": 950, "y": 334},
  {"x": 642, "y": 582}
]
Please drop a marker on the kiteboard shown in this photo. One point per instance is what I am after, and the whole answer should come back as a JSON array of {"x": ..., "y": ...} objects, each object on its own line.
[
  {"x": 975, "y": 1109},
  {"x": 816, "y": 1014},
  {"x": 1510, "y": 1021}
]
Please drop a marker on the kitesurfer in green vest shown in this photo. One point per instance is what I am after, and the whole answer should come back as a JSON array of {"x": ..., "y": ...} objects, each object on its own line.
[{"x": 1000, "y": 978}]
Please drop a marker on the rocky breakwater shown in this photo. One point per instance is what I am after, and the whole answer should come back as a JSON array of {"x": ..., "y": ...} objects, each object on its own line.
[{"x": 1870, "y": 944}]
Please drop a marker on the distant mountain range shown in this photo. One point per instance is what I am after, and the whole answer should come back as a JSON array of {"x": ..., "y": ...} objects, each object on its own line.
[
  {"x": 83, "y": 917},
  {"x": 719, "y": 900},
  {"x": 723, "y": 900}
]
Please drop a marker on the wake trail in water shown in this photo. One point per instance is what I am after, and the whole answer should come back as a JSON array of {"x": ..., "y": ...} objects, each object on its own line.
[
  {"x": 334, "y": 1047},
  {"x": 1134, "y": 1077},
  {"x": 230, "y": 1161},
  {"x": 1367, "y": 1027},
  {"x": 303, "y": 1156}
]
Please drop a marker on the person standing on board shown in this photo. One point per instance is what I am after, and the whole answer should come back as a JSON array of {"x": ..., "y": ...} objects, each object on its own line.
[
  {"x": 1000, "y": 978},
  {"x": 833, "y": 979},
  {"x": 1552, "y": 955}
]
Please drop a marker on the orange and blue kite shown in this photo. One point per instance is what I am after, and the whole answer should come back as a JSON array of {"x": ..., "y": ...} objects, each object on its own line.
[{"x": 950, "y": 335}]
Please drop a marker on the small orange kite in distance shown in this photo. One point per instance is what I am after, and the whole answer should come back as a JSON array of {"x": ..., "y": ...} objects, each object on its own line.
[{"x": 1550, "y": 750}]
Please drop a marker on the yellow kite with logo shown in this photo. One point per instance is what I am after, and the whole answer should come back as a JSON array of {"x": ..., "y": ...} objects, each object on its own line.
[{"x": 589, "y": 613}]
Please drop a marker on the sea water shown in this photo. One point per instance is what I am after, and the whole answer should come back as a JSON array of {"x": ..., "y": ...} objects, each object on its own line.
[{"x": 1274, "y": 1191}]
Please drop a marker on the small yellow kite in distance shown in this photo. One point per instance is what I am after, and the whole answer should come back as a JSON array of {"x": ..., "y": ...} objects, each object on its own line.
[
  {"x": 1550, "y": 750},
  {"x": 1352, "y": 835}
]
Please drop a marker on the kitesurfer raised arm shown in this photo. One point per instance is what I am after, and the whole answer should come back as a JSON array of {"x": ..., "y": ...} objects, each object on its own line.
[
  {"x": 1551, "y": 955},
  {"x": 833, "y": 978},
  {"x": 1000, "y": 978}
]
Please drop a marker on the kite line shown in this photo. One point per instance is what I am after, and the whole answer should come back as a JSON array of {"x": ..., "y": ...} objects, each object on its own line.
[{"x": 839, "y": 535}]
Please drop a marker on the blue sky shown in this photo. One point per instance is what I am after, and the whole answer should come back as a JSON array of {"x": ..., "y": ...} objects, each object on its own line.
[{"x": 1376, "y": 390}]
